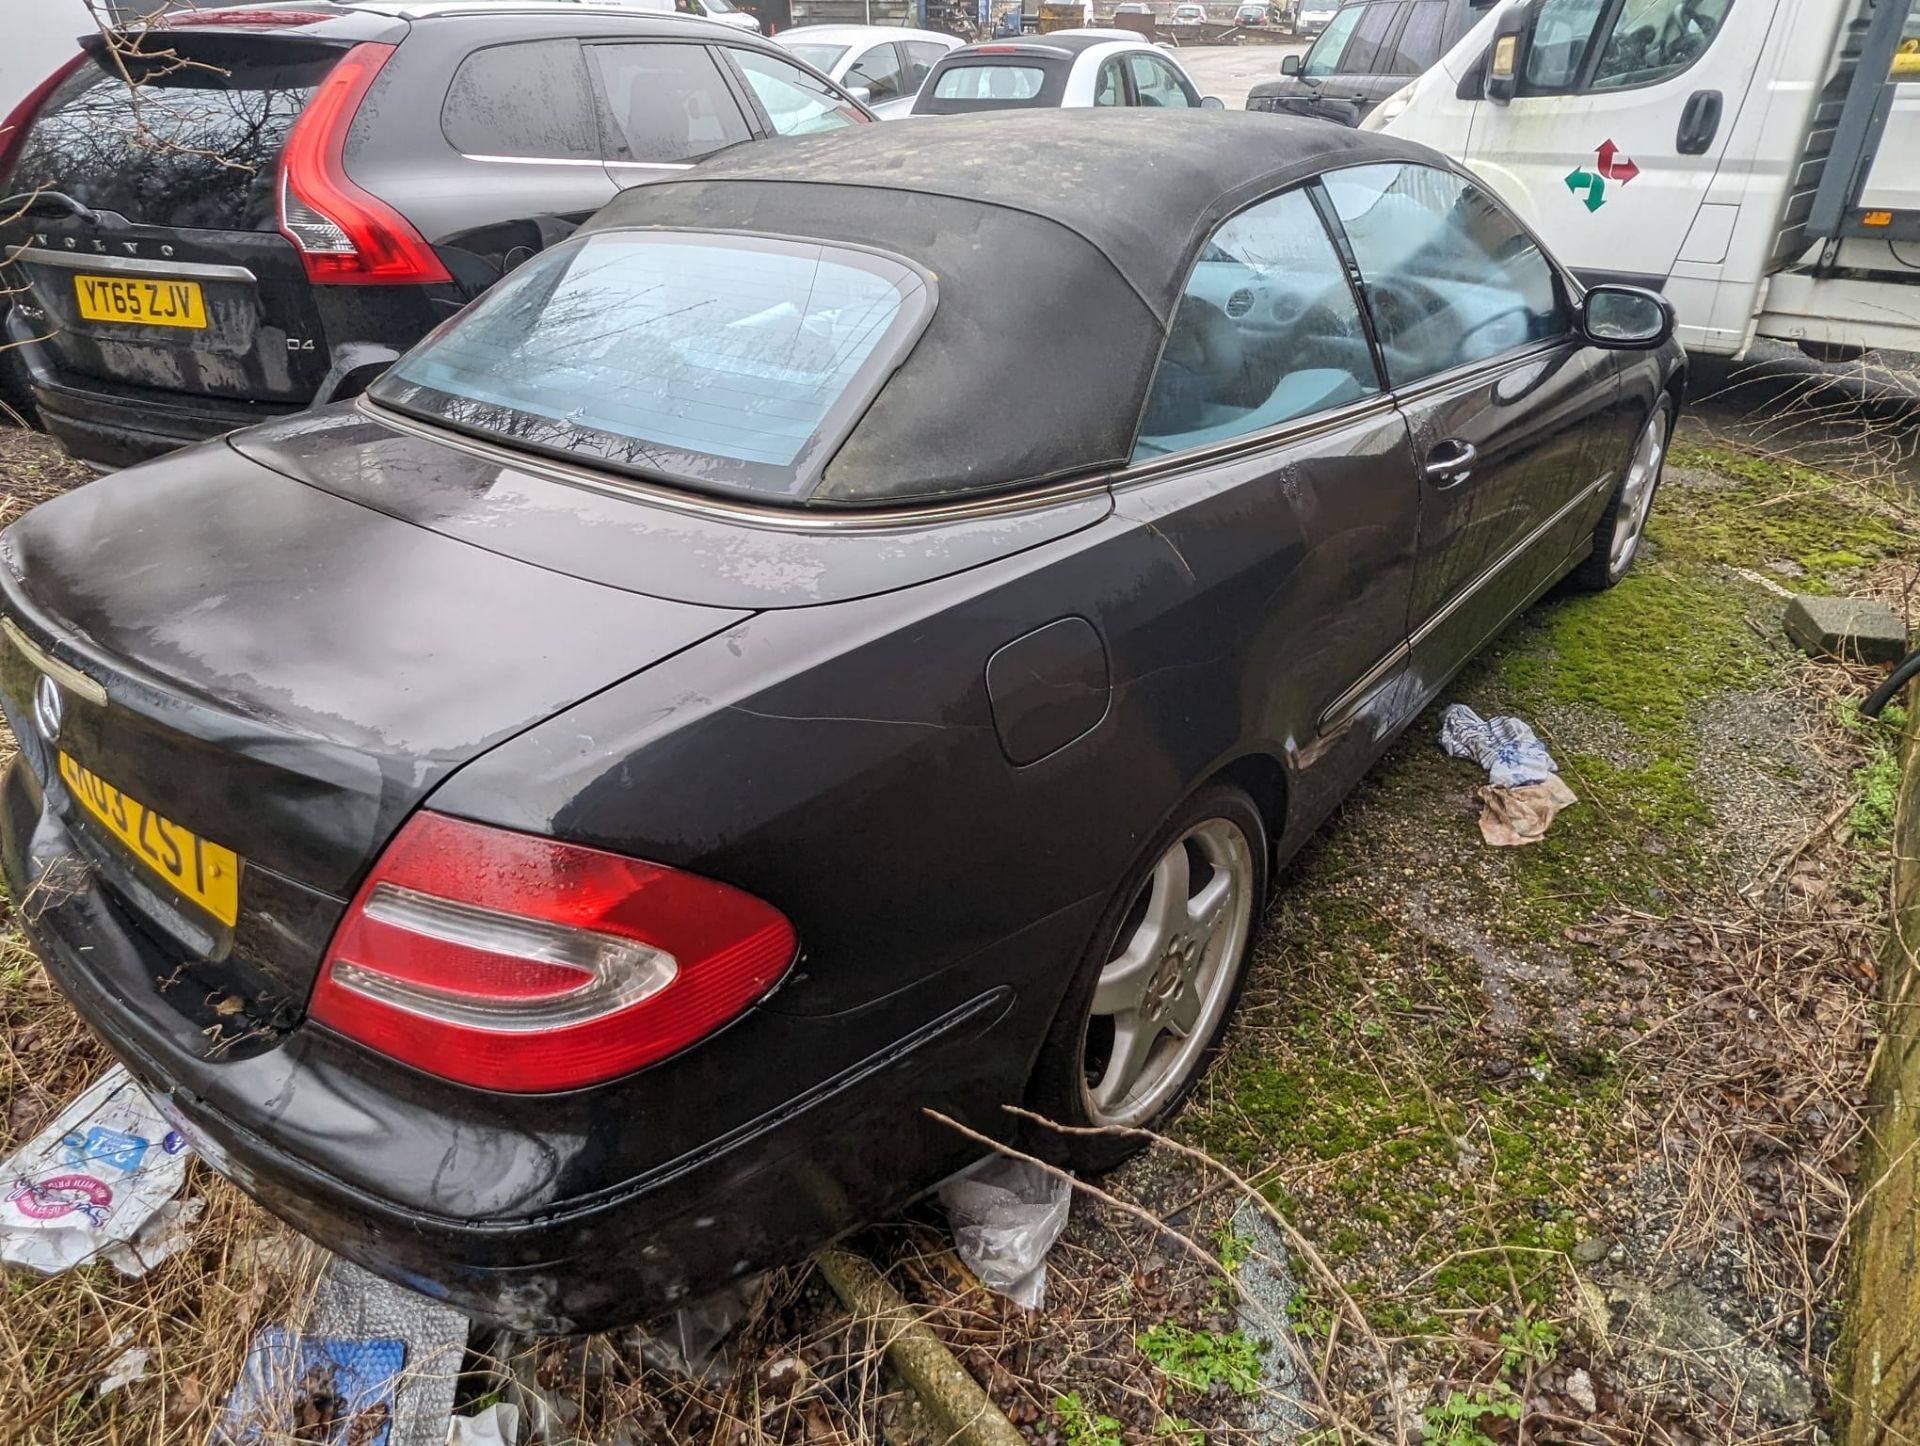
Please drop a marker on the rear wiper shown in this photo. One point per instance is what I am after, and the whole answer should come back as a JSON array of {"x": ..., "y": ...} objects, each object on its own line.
[{"x": 26, "y": 203}]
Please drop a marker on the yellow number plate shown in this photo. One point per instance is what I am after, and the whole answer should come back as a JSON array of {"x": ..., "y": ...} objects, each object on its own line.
[
  {"x": 141, "y": 302},
  {"x": 205, "y": 872}
]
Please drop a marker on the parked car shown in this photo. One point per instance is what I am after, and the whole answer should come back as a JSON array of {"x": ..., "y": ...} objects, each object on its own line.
[
  {"x": 1068, "y": 68},
  {"x": 271, "y": 225},
  {"x": 1364, "y": 55},
  {"x": 882, "y": 65},
  {"x": 1259, "y": 12},
  {"x": 1315, "y": 16},
  {"x": 1188, "y": 16},
  {"x": 551, "y": 827}
]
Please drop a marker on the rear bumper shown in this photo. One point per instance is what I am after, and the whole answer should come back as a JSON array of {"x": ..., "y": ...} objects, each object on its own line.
[
  {"x": 116, "y": 426},
  {"x": 294, "y": 1126}
]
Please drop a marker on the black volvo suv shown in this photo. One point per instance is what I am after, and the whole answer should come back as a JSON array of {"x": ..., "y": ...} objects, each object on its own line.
[{"x": 288, "y": 196}]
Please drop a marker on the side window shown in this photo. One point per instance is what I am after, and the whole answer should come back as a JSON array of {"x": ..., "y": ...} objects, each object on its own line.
[
  {"x": 879, "y": 71},
  {"x": 922, "y": 56},
  {"x": 1110, "y": 88},
  {"x": 1561, "y": 33},
  {"x": 1267, "y": 331},
  {"x": 528, "y": 100},
  {"x": 1653, "y": 39},
  {"x": 1158, "y": 84},
  {"x": 795, "y": 102},
  {"x": 1369, "y": 54},
  {"x": 1418, "y": 45},
  {"x": 665, "y": 103},
  {"x": 1449, "y": 276},
  {"x": 1324, "y": 58}
]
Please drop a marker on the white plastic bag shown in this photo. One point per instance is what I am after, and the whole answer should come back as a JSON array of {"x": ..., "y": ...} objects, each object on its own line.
[
  {"x": 89, "y": 1181},
  {"x": 1005, "y": 1215}
]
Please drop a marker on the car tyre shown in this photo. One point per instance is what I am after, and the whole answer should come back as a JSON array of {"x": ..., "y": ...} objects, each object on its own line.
[
  {"x": 1623, "y": 526},
  {"x": 1154, "y": 991}
]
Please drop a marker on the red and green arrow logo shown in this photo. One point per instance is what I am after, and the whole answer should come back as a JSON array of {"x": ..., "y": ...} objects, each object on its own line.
[{"x": 1609, "y": 165}]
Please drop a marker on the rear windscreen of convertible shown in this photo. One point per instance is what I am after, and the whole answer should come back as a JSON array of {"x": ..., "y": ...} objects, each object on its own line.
[{"x": 733, "y": 363}]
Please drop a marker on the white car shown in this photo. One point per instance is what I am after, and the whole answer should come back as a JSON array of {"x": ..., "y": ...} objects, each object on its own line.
[
  {"x": 883, "y": 65},
  {"x": 1189, "y": 15},
  {"x": 725, "y": 12},
  {"x": 1065, "y": 69}
]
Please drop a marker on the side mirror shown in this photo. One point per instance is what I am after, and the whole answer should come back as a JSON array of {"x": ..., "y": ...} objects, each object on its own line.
[
  {"x": 861, "y": 93},
  {"x": 1290, "y": 64},
  {"x": 1625, "y": 318},
  {"x": 1507, "y": 55},
  {"x": 1212, "y": 102}
]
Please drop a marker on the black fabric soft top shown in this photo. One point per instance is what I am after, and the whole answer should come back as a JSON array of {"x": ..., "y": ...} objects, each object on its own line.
[{"x": 1060, "y": 241}]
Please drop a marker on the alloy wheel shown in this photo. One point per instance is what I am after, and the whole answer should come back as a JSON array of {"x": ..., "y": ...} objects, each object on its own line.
[
  {"x": 1636, "y": 492},
  {"x": 1160, "y": 997}
]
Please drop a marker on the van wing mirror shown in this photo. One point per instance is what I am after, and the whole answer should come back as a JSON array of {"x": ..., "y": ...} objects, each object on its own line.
[
  {"x": 1290, "y": 64},
  {"x": 1508, "y": 53}
]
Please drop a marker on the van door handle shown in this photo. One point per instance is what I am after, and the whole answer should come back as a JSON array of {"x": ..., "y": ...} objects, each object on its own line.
[
  {"x": 1449, "y": 462},
  {"x": 1699, "y": 122}
]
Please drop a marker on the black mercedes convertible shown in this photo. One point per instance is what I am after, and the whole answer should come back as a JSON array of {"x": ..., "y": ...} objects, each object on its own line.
[{"x": 853, "y": 630}]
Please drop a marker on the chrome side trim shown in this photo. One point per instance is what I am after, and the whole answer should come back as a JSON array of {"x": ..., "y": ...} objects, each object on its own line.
[
  {"x": 748, "y": 514},
  {"x": 1253, "y": 442},
  {"x": 1348, "y": 703},
  {"x": 65, "y": 674},
  {"x": 651, "y": 165},
  {"x": 530, "y": 160},
  {"x": 140, "y": 265},
  {"x": 1470, "y": 371},
  {"x": 1500, "y": 564}
]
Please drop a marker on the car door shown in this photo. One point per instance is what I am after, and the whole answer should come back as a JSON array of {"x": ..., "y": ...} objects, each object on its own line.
[
  {"x": 878, "y": 71},
  {"x": 1621, "y": 118},
  {"x": 1110, "y": 85},
  {"x": 1512, "y": 418},
  {"x": 1416, "y": 44},
  {"x": 1157, "y": 84},
  {"x": 1277, "y": 473},
  {"x": 663, "y": 105},
  {"x": 1339, "y": 74}
]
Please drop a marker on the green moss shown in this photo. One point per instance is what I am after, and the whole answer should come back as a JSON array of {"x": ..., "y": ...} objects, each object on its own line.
[{"x": 1773, "y": 512}]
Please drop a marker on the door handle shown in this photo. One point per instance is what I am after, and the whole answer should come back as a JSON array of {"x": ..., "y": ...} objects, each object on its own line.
[
  {"x": 1699, "y": 123},
  {"x": 1449, "y": 462}
]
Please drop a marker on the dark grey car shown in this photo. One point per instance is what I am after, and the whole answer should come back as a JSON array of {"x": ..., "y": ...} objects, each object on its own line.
[
  {"x": 293, "y": 196},
  {"x": 1368, "y": 51},
  {"x": 851, "y": 632}
]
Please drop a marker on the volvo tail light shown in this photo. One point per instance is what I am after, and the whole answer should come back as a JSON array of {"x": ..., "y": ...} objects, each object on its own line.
[
  {"x": 345, "y": 235},
  {"x": 511, "y": 962},
  {"x": 13, "y": 130}
]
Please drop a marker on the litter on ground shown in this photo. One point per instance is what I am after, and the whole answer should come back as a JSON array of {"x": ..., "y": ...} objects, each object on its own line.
[
  {"x": 99, "y": 1180},
  {"x": 1005, "y": 1215},
  {"x": 1524, "y": 789}
]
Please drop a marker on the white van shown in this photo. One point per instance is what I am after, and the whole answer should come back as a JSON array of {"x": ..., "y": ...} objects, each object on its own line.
[{"x": 1757, "y": 160}]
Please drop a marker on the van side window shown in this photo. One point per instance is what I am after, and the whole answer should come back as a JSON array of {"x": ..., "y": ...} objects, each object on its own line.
[
  {"x": 1624, "y": 44},
  {"x": 1449, "y": 277},
  {"x": 1651, "y": 41},
  {"x": 1268, "y": 330},
  {"x": 1561, "y": 33}
]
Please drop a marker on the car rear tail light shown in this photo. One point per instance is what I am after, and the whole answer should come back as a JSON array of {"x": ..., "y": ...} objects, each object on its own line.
[
  {"x": 517, "y": 963},
  {"x": 13, "y": 130},
  {"x": 345, "y": 235}
]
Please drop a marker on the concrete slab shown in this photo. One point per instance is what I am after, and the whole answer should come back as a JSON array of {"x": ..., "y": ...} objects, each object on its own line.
[{"x": 1857, "y": 629}]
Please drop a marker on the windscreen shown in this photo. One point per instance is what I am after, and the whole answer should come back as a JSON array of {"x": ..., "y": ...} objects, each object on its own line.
[
  {"x": 820, "y": 57},
  {"x": 191, "y": 144},
  {"x": 726, "y": 362}
]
